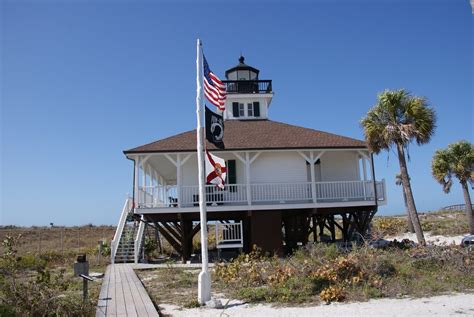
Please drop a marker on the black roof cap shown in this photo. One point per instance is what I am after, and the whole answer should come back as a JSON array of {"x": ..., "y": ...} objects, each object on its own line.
[{"x": 241, "y": 66}]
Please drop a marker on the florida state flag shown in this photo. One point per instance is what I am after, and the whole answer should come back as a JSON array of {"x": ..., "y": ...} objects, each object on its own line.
[{"x": 216, "y": 170}]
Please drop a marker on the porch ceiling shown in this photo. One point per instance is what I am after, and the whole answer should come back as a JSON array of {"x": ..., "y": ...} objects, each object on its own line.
[{"x": 163, "y": 166}]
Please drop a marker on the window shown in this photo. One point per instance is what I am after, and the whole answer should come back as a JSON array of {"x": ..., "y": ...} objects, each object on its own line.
[
  {"x": 250, "y": 109},
  {"x": 241, "y": 110}
]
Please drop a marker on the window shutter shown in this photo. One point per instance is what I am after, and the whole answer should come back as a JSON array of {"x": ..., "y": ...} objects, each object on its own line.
[
  {"x": 235, "y": 109},
  {"x": 231, "y": 172},
  {"x": 256, "y": 109},
  {"x": 231, "y": 175}
]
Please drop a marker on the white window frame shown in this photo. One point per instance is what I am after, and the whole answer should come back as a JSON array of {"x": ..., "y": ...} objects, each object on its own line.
[
  {"x": 242, "y": 112},
  {"x": 250, "y": 110}
]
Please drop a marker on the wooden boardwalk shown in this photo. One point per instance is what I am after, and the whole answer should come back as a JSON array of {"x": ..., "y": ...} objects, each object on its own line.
[{"x": 122, "y": 294}]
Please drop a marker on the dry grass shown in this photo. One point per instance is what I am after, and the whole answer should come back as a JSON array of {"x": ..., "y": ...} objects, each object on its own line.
[
  {"x": 322, "y": 273},
  {"x": 60, "y": 244},
  {"x": 171, "y": 285},
  {"x": 448, "y": 223},
  {"x": 43, "y": 284}
]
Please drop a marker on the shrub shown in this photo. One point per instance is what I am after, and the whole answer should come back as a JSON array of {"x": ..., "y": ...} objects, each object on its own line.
[
  {"x": 334, "y": 275},
  {"x": 43, "y": 293}
]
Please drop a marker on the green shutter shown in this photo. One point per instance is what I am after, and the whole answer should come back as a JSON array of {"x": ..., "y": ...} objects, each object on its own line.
[
  {"x": 235, "y": 109},
  {"x": 256, "y": 109},
  {"x": 231, "y": 172}
]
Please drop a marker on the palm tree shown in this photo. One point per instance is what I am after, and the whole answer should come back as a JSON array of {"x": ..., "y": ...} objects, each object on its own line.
[
  {"x": 457, "y": 160},
  {"x": 396, "y": 120},
  {"x": 398, "y": 182}
]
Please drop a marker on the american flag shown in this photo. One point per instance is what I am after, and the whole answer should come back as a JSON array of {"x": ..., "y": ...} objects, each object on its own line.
[{"x": 214, "y": 88}]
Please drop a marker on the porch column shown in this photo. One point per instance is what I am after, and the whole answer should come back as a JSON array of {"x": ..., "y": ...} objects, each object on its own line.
[
  {"x": 165, "y": 191},
  {"x": 247, "y": 178},
  {"x": 371, "y": 159},
  {"x": 313, "y": 177},
  {"x": 143, "y": 175},
  {"x": 178, "y": 178},
  {"x": 364, "y": 157},
  {"x": 364, "y": 168},
  {"x": 135, "y": 182}
]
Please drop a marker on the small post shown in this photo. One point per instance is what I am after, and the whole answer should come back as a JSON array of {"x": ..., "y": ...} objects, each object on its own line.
[{"x": 81, "y": 269}]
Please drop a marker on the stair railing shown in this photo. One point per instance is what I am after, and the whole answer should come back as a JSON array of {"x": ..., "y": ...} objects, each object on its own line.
[
  {"x": 118, "y": 232},
  {"x": 139, "y": 239}
]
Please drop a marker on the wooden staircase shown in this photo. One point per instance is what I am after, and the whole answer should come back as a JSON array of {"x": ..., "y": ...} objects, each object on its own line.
[
  {"x": 126, "y": 248},
  {"x": 127, "y": 244}
]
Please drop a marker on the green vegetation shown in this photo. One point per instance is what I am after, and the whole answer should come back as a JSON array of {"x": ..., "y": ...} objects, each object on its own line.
[
  {"x": 456, "y": 161},
  {"x": 398, "y": 119},
  {"x": 32, "y": 286},
  {"x": 323, "y": 273},
  {"x": 448, "y": 223}
]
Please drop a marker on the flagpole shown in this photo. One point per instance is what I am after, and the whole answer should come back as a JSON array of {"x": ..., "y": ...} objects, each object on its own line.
[{"x": 204, "y": 279}]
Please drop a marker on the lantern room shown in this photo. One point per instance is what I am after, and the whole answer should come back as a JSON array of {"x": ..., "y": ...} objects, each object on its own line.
[{"x": 248, "y": 97}]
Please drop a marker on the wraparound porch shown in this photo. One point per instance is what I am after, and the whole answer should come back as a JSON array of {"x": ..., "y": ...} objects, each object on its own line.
[{"x": 261, "y": 196}]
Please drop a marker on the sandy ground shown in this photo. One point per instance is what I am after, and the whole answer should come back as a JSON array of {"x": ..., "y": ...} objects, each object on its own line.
[
  {"x": 438, "y": 240},
  {"x": 446, "y": 305}
]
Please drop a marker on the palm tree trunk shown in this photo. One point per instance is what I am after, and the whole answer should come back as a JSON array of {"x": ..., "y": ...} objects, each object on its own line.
[
  {"x": 409, "y": 222},
  {"x": 467, "y": 201},
  {"x": 410, "y": 200}
]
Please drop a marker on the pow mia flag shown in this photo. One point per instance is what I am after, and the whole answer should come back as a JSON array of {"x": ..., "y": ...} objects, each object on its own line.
[{"x": 214, "y": 128}]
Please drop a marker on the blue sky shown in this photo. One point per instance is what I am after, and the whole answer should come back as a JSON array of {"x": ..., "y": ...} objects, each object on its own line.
[{"x": 83, "y": 80}]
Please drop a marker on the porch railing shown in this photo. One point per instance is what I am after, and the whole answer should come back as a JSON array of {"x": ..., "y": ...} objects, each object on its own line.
[
  {"x": 236, "y": 194},
  {"x": 231, "y": 194},
  {"x": 248, "y": 86},
  {"x": 157, "y": 196},
  {"x": 229, "y": 235},
  {"x": 281, "y": 192},
  {"x": 345, "y": 191}
]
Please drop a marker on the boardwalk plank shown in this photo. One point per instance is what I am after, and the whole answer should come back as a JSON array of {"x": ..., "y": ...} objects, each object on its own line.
[
  {"x": 129, "y": 301},
  {"x": 150, "y": 308},
  {"x": 111, "y": 303},
  {"x": 139, "y": 304},
  {"x": 123, "y": 294},
  {"x": 104, "y": 290},
  {"x": 141, "y": 310},
  {"x": 120, "y": 299}
]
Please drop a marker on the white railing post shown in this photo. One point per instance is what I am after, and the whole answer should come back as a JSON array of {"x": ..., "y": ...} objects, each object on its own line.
[
  {"x": 118, "y": 231},
  {"x": 139, "y": 239}
]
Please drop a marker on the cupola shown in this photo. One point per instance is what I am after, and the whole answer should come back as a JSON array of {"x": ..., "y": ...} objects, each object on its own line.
[
  {"x": 248, "y": 97},
  {"x": 242, "y": 71}
]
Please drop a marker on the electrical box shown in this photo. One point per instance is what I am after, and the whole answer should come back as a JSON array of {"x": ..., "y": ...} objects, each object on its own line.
[{"x": 81, "y": 266}]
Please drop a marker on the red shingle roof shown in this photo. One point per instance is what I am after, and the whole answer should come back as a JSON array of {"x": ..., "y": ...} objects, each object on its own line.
[{"x": 255, "y": 134}]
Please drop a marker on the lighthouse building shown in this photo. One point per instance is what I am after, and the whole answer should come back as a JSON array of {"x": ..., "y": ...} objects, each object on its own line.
[{"x": 286, "y": 185}]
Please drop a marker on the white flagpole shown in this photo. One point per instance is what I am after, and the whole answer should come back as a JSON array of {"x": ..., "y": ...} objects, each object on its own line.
[{"x": 204, "y": 280}]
